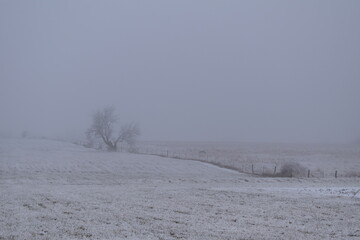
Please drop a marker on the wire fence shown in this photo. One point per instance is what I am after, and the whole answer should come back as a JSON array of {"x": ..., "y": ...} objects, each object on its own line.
[{"x": 256, "y": 168}]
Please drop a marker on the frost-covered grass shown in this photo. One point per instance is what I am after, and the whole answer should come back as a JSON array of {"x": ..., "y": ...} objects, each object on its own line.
[{"x": 56, "y": 190}]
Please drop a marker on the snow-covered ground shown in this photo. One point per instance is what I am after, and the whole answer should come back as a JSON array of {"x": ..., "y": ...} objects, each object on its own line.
[{"x": 57, "y": 190}]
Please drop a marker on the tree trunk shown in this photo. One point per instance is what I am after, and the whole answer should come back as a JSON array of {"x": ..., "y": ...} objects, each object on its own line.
[{"x": 111, "y": 147}]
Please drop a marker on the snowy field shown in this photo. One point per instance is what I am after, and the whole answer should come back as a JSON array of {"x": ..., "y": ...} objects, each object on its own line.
[
  {"x": 57, "y": 190},
  {"x": 321, "y": 159}
]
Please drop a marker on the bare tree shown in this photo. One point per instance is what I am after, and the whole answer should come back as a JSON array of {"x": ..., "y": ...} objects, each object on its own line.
[{"x": 104, "y": 127}]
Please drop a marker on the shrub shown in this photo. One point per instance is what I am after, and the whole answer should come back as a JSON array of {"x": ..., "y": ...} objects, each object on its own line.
[
  {"x": 289, "y": 170},
  {"x": 292, "y": 170}
]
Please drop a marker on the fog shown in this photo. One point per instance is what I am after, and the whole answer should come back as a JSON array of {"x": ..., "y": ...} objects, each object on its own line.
[{"x": 262, "y": 71}]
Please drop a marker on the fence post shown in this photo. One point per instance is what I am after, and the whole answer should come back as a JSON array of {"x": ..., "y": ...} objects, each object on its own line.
[
  {"x": 336, "y": 174},
  {"x": 275, "y": 170},
  {"x": 308, "y": 173},
  {"x": 252, "y": 168}
]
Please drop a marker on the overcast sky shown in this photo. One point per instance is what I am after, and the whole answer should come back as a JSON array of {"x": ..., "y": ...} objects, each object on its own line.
[{"x": 267, "y": 71}]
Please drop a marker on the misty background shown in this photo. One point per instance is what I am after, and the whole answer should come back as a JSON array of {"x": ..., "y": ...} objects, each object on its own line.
[{"x": 267, "y": 71}]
